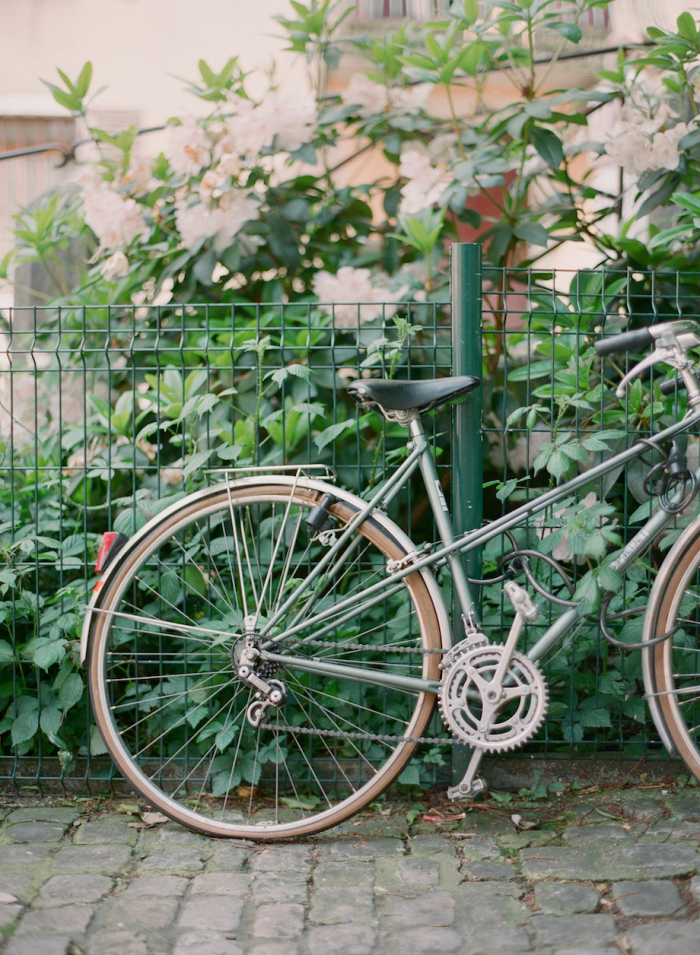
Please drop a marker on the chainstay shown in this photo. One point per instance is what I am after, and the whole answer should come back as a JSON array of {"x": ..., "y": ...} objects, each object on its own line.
[
  {"x": 384, "y": 648},
  {"x": 372, "y": 737}
]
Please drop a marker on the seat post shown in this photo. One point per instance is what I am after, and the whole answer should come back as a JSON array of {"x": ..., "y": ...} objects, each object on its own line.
[{"x": 441, "y": 513}]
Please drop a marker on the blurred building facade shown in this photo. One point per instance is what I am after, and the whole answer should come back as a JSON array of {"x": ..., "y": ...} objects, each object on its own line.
[{"x": 143, "y": 51}]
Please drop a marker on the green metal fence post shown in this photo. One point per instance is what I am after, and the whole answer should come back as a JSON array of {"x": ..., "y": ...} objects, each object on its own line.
[{"x": 466, "y": 456}]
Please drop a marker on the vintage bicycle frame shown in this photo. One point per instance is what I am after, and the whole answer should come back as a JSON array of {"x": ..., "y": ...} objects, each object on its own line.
[{"x": 448, "y": 552}]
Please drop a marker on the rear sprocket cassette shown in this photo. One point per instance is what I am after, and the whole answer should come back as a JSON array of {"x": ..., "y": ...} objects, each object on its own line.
[{"x": 473, "y": 714}]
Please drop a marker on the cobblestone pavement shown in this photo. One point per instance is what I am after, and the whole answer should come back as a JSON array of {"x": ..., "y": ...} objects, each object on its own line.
[{"x": 601, "y": 872}]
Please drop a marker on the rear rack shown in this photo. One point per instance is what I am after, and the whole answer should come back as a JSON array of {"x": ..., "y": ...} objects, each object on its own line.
[{"x": 296, "y": 469}]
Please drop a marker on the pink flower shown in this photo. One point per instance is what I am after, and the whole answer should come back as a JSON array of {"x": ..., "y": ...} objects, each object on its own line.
[
  {"x": 188, "y": 149},
  {"x": 350, "y": 285},
  {"x": 115, "y": 220}
]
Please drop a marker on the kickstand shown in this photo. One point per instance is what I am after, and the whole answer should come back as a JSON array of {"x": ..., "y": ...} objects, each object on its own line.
[{"x": 469, "y": 785}]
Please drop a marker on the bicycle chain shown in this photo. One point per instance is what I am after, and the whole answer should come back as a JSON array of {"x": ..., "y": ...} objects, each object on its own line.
[{"x": 372, "y": 737}]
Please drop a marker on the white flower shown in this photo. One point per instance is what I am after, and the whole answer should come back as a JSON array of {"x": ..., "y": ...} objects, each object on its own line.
[
  {"x": 351, "y": 285},
  {"x": 115, "y": 266},
  {"x": 639, "y": 148},
  {"x": 229, "y": 166},
  {"x": 427, "y": 178},
  {"x": 665, "y": 147},
  {"x": 236, "y": 208},
  {"x": 371, "y": 97},
  {"x": 375, "y": 98},
  {"x": 198, "y": 221},
  {"x": 195, "y": 222},
  {"x": 209, "y": 183},
  {"x": 115, "y": 220},
  {"x": 139, "y": 176},
  {"x": 291, "y": 119},
  {"x": 411, "y": 99},
  {"x": 249, "y": 129},
  {"x": 188, "y": 149}
]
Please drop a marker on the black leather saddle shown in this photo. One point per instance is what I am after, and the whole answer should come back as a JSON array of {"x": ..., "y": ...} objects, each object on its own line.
[{"x": 411, "y": 395}]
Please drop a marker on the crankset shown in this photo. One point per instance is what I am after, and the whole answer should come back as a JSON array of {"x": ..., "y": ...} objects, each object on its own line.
[{"x": 492, "y": 697}]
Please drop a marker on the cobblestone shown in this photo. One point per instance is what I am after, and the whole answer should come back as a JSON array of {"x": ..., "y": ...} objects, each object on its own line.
[
  {"x": 566, "y": 899},
  {"x": 35, "y": 832},
  {"x": 175, "y": 861},
  {"x": 582, "y": 884},
  {"x": 666, "y": 938},
  {"x": 219, "y": 913},
  {"x": 167, "y": 886},
  {"x": 646, "y": 898},
  {"x": 269, "y": 887},
  {"x": 109, "y": 860},
  {"x": 348, "y": 939},
  {"x": 279, "y": 921},
  {"x": 112, "y": 829},
  {"x": 576, "y": 931},
  {"x": 66, "y": 889}
]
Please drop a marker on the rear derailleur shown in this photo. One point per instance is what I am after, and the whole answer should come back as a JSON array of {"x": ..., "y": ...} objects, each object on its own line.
[{"x": 259, "y": 676}]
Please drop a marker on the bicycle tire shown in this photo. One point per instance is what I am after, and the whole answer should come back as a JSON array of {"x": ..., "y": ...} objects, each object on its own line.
[
  {"x": 670, "y": 668},
  {"x": 126, "y": 655}
]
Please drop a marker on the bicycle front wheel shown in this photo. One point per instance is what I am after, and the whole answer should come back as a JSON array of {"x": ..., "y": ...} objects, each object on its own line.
[
  {"x": 672, "y": 668},
  {"x": 164, "y": 685}
]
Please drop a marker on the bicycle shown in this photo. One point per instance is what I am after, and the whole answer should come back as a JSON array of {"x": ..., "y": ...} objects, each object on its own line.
[{"x": 265, "y": 655}]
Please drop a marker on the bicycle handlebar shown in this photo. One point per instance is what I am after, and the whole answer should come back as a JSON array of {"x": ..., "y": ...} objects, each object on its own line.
[{"x": 627, "y": 341}]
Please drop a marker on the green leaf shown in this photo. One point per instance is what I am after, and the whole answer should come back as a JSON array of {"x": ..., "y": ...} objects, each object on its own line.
[
  {"x": 411, "y": 774},
  {"x": 50, "y": 720},
  {"x": 71, "y": 691},
  {"x": 548, "y": 145},
  {"x": 333, "y": 432},
  {"x": 533, "y": 232},
  {"x": 597, "y": 718},
  {"x": 568, "y": 30},
  {"x": 50, "y": 653},
  {"x": 83, "y": 82},
  {"x": 635, "y": 708},
  {"x": 687, "y": 28},
  {"x": 68, "y": 100},
  {"x": 97, "y": 745},
  {"x": 195, "y": 462},
  {"x": 7, "y": 654},
  {"x": 27, "y": 722},
  {"x": 505, "y": 492},
  {"x": 226, "y": 780},
  {"x": 195, "y": 580}
]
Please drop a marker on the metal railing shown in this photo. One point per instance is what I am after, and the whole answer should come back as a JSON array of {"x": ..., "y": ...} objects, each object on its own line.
[{"x": 106, "y": 413}]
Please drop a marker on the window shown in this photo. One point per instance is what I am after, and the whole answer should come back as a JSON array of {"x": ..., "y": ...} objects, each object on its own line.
[{"x": 369, "y": 10}]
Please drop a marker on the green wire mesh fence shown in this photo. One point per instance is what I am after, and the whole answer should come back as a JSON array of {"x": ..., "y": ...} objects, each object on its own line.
[{"x": 109, "y": 414}]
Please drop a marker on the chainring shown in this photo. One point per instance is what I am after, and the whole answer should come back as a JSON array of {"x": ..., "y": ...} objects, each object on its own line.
[{"x": 493, "y": 727}]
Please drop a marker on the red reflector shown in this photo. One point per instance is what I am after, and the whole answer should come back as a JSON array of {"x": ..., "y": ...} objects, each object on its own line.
[{"x": 112, "y": 541}]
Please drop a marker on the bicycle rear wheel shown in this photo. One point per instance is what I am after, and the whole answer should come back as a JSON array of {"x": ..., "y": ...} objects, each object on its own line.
[
  {"x": 166, "y": 694},
  {"x": 672, "y": 668}
]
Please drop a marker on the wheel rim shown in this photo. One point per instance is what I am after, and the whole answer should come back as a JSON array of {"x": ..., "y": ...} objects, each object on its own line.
[
  {"x": 172, "y": 709},
  {"x": 676, "y": 662}
]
